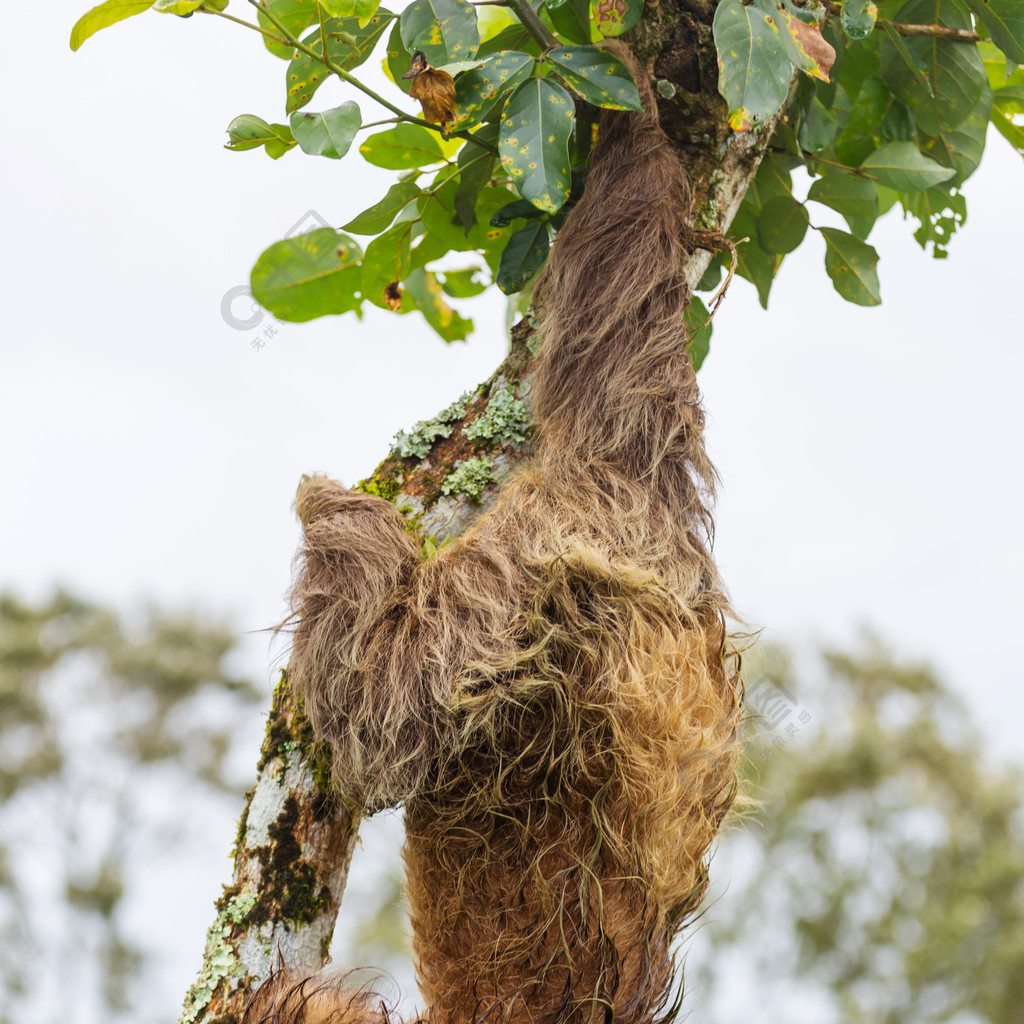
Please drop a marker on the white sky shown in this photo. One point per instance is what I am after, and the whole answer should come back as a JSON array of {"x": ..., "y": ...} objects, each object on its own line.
[{"x": 870, "y": 459}]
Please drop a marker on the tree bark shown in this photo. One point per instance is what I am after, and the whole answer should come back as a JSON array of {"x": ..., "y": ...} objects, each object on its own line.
[{"x": 296, "y": 836}]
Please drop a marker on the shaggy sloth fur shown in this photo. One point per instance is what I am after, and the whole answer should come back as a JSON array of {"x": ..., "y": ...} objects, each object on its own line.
[{"x": 552, "y": 695}]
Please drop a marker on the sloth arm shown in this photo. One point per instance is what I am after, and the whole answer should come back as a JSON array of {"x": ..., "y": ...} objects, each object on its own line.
[{"x": 383, "y": 639}]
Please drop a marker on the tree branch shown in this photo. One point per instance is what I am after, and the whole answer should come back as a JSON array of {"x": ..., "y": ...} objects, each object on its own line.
[{"x": 953, "y": 35}]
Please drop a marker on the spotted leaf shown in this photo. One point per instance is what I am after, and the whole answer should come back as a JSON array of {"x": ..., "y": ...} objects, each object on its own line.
[
  {"x": 613, "y": 17},
  {"x": 534, "y": 142},
  {"x": 348, "y": 46},
  {"x": 308, "y": 276},
  {"x": 444, "y": 30},
  {"x": 477, "y": 91},
  {"x": 754, "y": 69},
  {"x": 597, "y": 76}
]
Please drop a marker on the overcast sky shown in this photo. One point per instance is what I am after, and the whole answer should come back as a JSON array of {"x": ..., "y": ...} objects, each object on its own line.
[{"x": 870, "y": 459}]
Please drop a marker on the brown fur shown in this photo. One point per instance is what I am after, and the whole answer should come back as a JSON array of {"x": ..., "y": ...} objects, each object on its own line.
[{"x": 551, "y": 695}]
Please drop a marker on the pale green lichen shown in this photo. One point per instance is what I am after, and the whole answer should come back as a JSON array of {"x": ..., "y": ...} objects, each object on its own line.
[
  {"x": 469, "y": 478},
  {"x": 238, "y": 906},
  {"x": 709, "y": 214},
  {"x": 420, "y": 439},
  {"x": 219, "y": 962},
  {"x": 504, "y": 420}
]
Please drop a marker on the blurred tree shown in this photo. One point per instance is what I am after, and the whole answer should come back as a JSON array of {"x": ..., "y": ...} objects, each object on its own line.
[
  {"x": 883, "y": 875},
  {"x": 101, "y": 722}
]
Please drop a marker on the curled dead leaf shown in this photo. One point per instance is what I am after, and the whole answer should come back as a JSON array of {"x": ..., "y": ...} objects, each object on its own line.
[
  {"x": 434, "y": 89},
  {"x": 393, "y": 297}
]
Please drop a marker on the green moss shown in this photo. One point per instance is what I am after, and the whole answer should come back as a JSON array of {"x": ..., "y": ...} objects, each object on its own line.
[
  {"x": 243, "y": 822},
  {"x": 470, "y": 478},
  {"x": 290, "y": 886},
  {"x": 386, "y": 489},
  {"x": 504, "y": 421},
  {"x": 416, "y": 444}
]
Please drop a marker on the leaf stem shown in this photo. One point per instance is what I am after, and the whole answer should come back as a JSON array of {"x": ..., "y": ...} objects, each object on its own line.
[
  {"x": 248, "y": 24},
  {"x": 346, "y": 77},
  {"x": 376, "y": 124},
  {"x": 530, "y": 20}
]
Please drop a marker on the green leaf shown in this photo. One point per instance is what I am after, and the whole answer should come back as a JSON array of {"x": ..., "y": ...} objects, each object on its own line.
[
  {"x": 781, "y": 225},
  {"x": 792, "y": 37},
  {"x": 462, "y": 284},
  {"x": 961, "y": 148},
  {"x": 877, "y": 117},
  {"x": 859, "y": 17},
  {"x": 515, "y": 37},
  {"x": 940, "y": 213},
  {"x": 817, "y": 128},
  {"x": 445, "y": 30},
  {"x": 534, "y": 142},
  {"x": 571, "y": 19},
  {"x": 361, "y": 10},
  {"x": 1004, "y": 20},
  {"x": 753, "y": 263},
  {"x": 104, "y": 16},
  {"x": 437, "y": 211},
  {"x": 613, "y": 17},
  {"x": 852, "y": 265},
  {"x": 179, "y": 7},
  {"x": 753, "y": 67},
  {"x": 386, "y": 262},
  {"x": 596, "y": 75},
  {"x": 348, "y": 46},
  {"x": 477, "y": 91},
  {"x": 249, "y": 132},
  {"x": 476, "y": 165},
  {"x": 329, "y": 133},
  {"x": 1009, "y": 129},
  {"x": 698, "y": 328},
  {"x": 423, "y": 288},
  {"x": 403, "y": 147},
  {"x": 521, "y": 208},
  {"x": 398, "y": 60},
  {"x": 903, "y": 167},
  {"x": 379, "y": 216},
  {"x": 311, "y": 275},
  {"x": 295, "y": 15},
  {"x": 954, "y": 71},
  {"x": 523, "y": 256},
  {"x": 850, "y": 195}
]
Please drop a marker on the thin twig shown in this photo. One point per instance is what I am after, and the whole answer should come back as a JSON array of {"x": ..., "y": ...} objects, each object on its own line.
[
  {"x": 952, "y": 35},
  {"x": 248, "y": 24},
  {"x": 346, "y": 77},
  {"x": 531, "y": 22}
]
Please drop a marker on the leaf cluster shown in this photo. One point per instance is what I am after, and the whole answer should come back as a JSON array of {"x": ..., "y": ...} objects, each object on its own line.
[
  {"x": 900, "y": 120},
  {"x": 881, "y": 104}
]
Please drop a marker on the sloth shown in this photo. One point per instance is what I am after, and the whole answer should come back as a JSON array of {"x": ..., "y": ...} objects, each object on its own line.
[{"x": 553, "y": 696}]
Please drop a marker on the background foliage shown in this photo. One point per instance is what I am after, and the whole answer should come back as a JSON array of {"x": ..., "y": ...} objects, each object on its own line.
[
  {"x": 115, "y": 743},
  {"x": 879, "y": 877}
]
